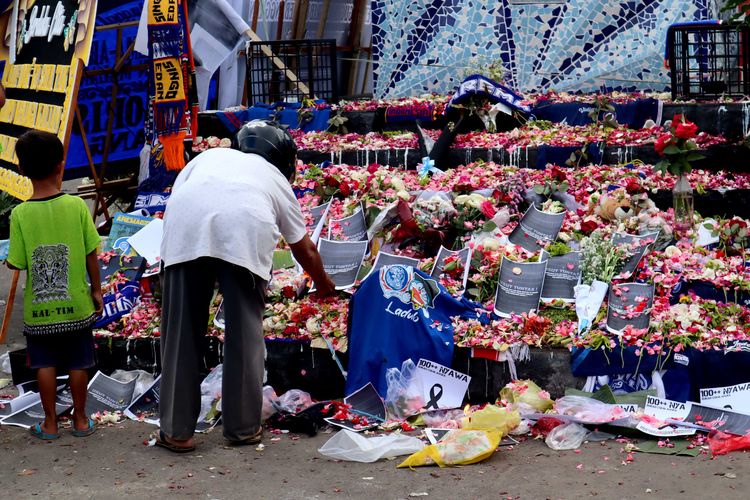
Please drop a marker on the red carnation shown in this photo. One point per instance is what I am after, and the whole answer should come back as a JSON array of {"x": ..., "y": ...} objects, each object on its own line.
[
  {"x": 686, "y": 130},
  {"x": 662, "y": 142}
]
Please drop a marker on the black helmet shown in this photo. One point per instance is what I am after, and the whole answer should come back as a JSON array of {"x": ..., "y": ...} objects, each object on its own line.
[{"x": 271, "y": 141}]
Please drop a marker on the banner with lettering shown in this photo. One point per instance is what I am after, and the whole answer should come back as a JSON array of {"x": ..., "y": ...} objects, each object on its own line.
[
  {"x": 44, "y": 42},
  {"x": 126, "y": 136}
]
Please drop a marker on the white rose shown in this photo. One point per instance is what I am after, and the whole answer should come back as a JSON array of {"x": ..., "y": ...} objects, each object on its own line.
[
  {"x": 213, "y": 142},
  {"x": 225, "y": 143},
  {"x": 398, "y": 184},
  {"x": 312, "y": 326},
  {"x": 404, "y": 195},
  {"x": 491, "y": 244},
  {"x": 461, "y": 199},
  {"x": 672, "y": 251}
]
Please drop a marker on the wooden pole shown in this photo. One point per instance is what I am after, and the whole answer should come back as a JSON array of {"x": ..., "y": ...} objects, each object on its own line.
[
  {"x": 256, "y": 8},
  {"x": 278, "y": 63},
  {"x": 323, "y": 19},
  {"x": 9, "y": 305},
  {"x": 280, "y": 22}
]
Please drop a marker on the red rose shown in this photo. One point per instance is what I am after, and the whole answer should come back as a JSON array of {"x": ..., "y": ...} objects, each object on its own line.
[
  {"x": 686, "y": 130},
  {"x": 331, "y": 181},
  {"x": 662, "y": 142},
  {"x": 372, "y": 168},
  {"x": 632, "y": 186},
  {"x": 588, "y": 226},
  {"x": 488, "y": 209},
  {"x": 345, "y": 189},
  {"x": 558, "y": 174}
]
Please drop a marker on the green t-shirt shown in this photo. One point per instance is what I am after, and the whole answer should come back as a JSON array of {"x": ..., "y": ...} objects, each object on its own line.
[{"x": 51, "y": 238}]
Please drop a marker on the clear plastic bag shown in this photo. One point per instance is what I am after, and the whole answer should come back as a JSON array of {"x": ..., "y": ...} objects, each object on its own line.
[
  {"x": 270, "y": 403},
  {"x": 589, "y": 411},
  {"x": 404, "y": 397},
  {"x": 211, "y": 395},
  {"x": 353, "y": 447},
  {"x": 458, "y": 447},
  {"x": 444, "y": 419},
  {"x": 567, "y": 437},
  {"x": 294, "y": 401}
]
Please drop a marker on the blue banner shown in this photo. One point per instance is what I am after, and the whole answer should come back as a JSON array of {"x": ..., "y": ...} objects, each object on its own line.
[{"x": 95, "y": 93}]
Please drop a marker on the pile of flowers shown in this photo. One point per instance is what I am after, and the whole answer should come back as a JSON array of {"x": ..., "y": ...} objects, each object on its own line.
[{"x": 534, "y": 134}]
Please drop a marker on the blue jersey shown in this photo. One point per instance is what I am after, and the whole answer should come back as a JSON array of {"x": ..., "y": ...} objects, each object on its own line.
[{"x": 400, "y": 313}]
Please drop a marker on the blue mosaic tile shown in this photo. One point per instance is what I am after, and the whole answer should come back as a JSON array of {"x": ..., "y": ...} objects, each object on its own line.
[{"x": 425, "y": 45}]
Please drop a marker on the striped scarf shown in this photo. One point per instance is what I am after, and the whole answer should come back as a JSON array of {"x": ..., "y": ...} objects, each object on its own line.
[{"x": 172, "y": 92}]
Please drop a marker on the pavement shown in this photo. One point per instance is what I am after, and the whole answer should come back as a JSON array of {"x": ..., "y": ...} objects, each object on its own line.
[{"x": 115, "y": 463}]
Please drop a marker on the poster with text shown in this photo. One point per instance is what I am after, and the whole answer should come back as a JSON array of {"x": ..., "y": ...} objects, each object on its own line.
[
  {"x": 388, "y": 259},
  {"x": 536, "y": 226},
  {"x": 562, "y": 276},
  {"x": 342, "y": 260},
  {"x": 629, "y": 304},
  {"x": 45, "y": 43},
  {"x": 352, "y": 228},
  {"x": 519, "y": 288},
  {"x": 455, "y": 263},
  {"x": 442, "y": 387},
  {"x": 637, "y": 245}
]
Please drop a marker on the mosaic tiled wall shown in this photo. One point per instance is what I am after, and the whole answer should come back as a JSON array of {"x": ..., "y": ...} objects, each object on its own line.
[{"x": 426, "y": 45}]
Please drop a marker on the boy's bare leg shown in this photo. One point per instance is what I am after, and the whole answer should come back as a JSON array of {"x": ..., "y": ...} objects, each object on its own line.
[
  {"x": 79, "y": 380},
  {"x": 47, "y": 380}
]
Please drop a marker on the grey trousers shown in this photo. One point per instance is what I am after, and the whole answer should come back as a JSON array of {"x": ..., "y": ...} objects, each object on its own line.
[{"x": 187, "y": 290}]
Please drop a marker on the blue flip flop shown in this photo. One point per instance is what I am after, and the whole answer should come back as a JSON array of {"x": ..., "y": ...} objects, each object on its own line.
[
  {"x": 85, "y": 432},
  {"x": 36, "y": 431}
]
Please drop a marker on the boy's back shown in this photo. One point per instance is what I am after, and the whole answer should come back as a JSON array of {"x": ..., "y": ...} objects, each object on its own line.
[{"x": 50, "y": 238}]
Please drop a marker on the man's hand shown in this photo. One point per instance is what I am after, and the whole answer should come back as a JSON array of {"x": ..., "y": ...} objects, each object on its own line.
[
  {"x": 326, "y": 288},
  {"x": 307, "y": 255},
  {"x": 96, "y": 296}
]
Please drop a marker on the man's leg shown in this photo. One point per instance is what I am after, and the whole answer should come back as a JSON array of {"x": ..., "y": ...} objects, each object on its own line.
[
  {"x": 242, "y": 384},
  {"x": 187, "y": 291}
]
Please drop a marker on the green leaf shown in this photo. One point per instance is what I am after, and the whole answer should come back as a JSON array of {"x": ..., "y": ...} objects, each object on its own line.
[
  {"x": 672, "y": 150},
  {"x": 489, "y": 226},
  {"x": 694, "y": 156},
  {"x": 538, "y": 189}
]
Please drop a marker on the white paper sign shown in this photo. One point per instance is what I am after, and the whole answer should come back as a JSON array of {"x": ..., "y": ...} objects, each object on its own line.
[
  {"x": 733, "y": 397},
  {"x": 147, "y": 241},
  {"x": 664, "y": 410},
  {"x": 442, "y": 387}
]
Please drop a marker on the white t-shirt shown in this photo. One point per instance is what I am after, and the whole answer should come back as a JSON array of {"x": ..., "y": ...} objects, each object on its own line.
[{"x": 232, "y": 206}]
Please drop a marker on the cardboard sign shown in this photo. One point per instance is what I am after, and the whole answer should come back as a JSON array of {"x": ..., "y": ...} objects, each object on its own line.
[
  {"x": 629, "y": 304},
  {"x": 734, "y": 397},
  {"x": 536, "y": 226},
  {"x": 642, "y": 244},
  {"x": 123, "y": 227},
  {"x": 353, "y": 228},
  {"x": 665, "y": 410},
  {"x": 465, "y": 257},
  {"x": 48, "y": 43},
  {"x": 442, "y": 387},
  {"x": 562, "y": 275},
  {"x": 519, "y": 288},
  {"x": 342, "y": 260},
  {"x": 15, "y": 184}
]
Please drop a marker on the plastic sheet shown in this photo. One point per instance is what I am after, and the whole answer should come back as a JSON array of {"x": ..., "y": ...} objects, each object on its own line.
[
  {"x": 589, "y": 411},
  {"x": 492, "y": 418},
  {"x": 294, "y": 401},
  {"x": 353, "y": 447},
  {"x": 211, "y": 395},
  {"x": 721, "y": 443},
  {"x": 545, "y": 425},
  {"x": 526, "y": 396},
  {"x": 567, "y": 437},
  {"x": 270, "y": 403},
  {"x": 458, "y": 447},
  {"x": 144, "y": 380}
]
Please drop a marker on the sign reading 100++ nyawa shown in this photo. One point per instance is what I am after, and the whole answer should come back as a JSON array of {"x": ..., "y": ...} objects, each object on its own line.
[{"x": 44, "y": 44}]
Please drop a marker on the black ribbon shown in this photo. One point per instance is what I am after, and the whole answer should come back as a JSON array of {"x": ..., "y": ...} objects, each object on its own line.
[{"x": 436, "y": 392}]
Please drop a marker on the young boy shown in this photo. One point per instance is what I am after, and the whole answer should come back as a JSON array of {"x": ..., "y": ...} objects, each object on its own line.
[{"x": 53, "y": 237}]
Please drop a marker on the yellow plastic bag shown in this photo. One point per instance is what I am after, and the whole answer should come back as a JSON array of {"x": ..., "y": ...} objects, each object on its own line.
[
  {"x": 458, "y": 447},
  {"x": 492, "y": 418},
  {"x": 525, "y": 394}
]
